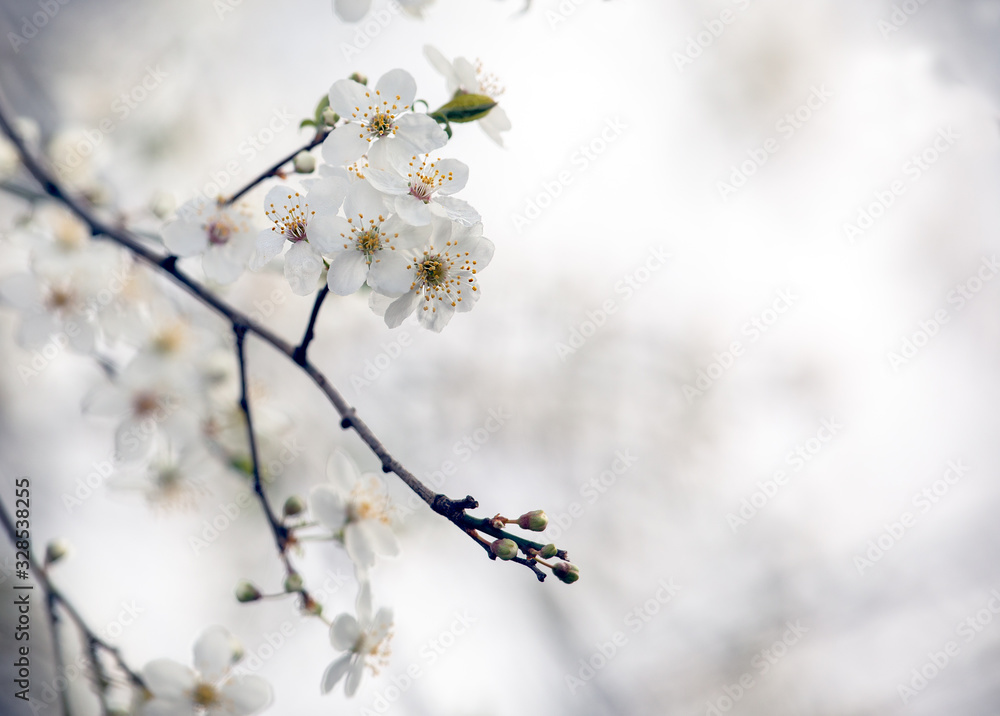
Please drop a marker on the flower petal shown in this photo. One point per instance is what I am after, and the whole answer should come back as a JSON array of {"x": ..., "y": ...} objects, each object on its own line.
[
  {"x": 354, "y": 675},
  {"x": 185, "y": 238},
  {"x": 303, "y": 267},
  {"x": 413, "y": 210},
  {"x": 437, "y": 316},
  {"x": 247, "y": 694},
  {"x": 344, "y": 632},
  {"x": 420, "y": 132},
  {"x": 381, "y": 537},
  {"x": 349, "y": 99},
  {"x": 328, "y": 507},
  {"x": 348, "y": 271},
  {"x": 334, "y": 672},
  {"x": 401, "y": 308},
  {"x": 345, "y": 145},
  {"x": 359, "y": 549},
  {"x": 167, "y": 679},
  {"x": 269, "y": 244},
  {"x": 458, "y": 210},
  {"x": 390, "y": 275},
  {"x": 398, "y": 88},
  {"x": 213, "y": 653},
  {"x": 365, "y": 201},
  {"x": 342, "y": 472},
  {"x": 458, "y": 171}
]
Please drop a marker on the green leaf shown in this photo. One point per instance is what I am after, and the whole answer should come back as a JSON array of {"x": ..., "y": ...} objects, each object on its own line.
[{"x": 318, "y": 115}]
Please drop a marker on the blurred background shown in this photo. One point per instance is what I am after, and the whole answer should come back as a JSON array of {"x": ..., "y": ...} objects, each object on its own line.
[{"x": 740, "y": 335}]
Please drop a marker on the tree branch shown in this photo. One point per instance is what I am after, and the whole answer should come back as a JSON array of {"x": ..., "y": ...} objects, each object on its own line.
[
  {"x": 453, "y": 510},
  {"x": 299, "y": 356}
]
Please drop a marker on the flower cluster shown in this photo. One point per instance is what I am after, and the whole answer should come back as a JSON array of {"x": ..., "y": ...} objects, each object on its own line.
[{"x": 382, "y": 211}]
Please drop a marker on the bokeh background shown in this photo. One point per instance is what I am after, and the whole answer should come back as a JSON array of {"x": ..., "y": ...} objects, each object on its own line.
[{"x": 816, "y": 599}]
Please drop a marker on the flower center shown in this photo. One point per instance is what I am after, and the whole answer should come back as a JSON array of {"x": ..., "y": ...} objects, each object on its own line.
[
  {"x": 432, "y": 271},
  {"x": 170, "y": 339},
  {"x": 292, "y": 218},
  {"x": 59, "y": 298},
  {"x": 205, "y": 695},
  {"x": 219, "y": 232},
  {"x": 144, "y": 404},
  {"x": 425, "y": 178},
  {"x": 382, "y": 124},
  {"x": 421, "y": 191},
  {"x": 369, "y": 241}
]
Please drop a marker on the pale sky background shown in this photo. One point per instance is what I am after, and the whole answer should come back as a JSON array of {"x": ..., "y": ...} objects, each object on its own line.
[{"x": 877, "y": 99}]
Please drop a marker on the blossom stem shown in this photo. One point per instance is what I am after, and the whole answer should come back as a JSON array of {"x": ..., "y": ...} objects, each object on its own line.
[
  {"x": 453, "y": 510},
  {"x": 273, "y": 171},
  {"x": 299, "y": 356}
]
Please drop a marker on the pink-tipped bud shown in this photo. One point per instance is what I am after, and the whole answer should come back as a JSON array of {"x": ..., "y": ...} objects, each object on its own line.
[
  {"x": 566, "y": 572},
  {"x": 504, "y": 548},
  {"x": 536, "y": 521}
]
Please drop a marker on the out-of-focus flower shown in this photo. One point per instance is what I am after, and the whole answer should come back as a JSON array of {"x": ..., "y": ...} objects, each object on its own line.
[
  {"x": 419, "y": 186},
  {"x": 379, "y": 121},
  {"x": 306, "y": 222},
  {"x": 465, "y": 78},
  {"x": 441, "y": 271},
  {"x": 222, "y": 235},
  {"x": 365, "y": 641},
  {"x": 173, "y": 478},
  {"x": 209, "y": 688},
  {"x": 354, "y": 506},
  {"x": 354, "y": 10}
]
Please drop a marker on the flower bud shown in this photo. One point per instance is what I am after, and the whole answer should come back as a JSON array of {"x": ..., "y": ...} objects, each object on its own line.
[
  {"x": 536, "y": 521},
  {"x": 358, "y": 77},
  {"x": 56, "y": 550},
  {"x": 330, "y": 117},
  {"x": 293, "y": 506},
  {"x": 504, "y": 548},
  {"x": 246, "y": 592},
  {"x": 305, "y": 162},
  {"x": 566, "y": 572},
  {"x": 465, "y": 108},
  {"x": 293, "y": 582},
  {"x": 547, "y": 551}
]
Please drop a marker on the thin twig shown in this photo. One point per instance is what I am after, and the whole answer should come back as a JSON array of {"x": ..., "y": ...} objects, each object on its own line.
[
  {"x": 273, "y": 171},
  {"x": 453, "y": 510},
  {"x": 299, "y": 356}
]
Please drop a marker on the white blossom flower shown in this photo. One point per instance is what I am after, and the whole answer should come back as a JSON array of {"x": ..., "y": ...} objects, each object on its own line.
[
  {"x": 379, "y": 121},
  {"x": 363, "y": 238},
  {"x": 149, "y": 405},
  {"x": 442, "y": 271},
  {"x": 306, "y": 222},
  {"x": 465, "y": 78},
  {"x": 59, "y": 241},
  {"x": 209, "y": 688},
  {"x": 355, "y": 506},
  {"x": 420, "y": 185},
  {"x": 354, "y": 10},
  {"x": 173, "y": 479},
  {"x": 365, "y": 641},
  {"x": 222, "y": 235}
]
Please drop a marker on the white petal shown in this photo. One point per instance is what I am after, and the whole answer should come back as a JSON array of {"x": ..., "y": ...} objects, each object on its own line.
[
  {"x": 459, "y": 172},
  {"x": 213, "y": 653},
  {"x": 381, "y": 537},
  {"x": 342, "y": 472},
  {"x": 390, "y": 275},
  {"x": 334, "y": 672},
  {"x": 344, "y": 632},
  {"x": 364, "y": 200},
  {"x": 387, "y": 181},
  {"x": 328, "y": 507},
  {"x": 382, "y": 623},
  {"x": 168, "y": 707},
  {"x": 398, "y": 87},
  {"x": 36, "y": 329},
  {"x": 351, "y": 10},
  {"x": 494, "y": 123},
  {"x": 303, "y": 267},
  {"x": 436, "y": 319},
  {"x": 326, "y": 195},
  {"x": 329, "y": 234},
  {"x": 440, "y": 63},
  {"x": 348, "y": 271},
  {"x": 220, "y": 266},
  {"x": 401, "y": 308},
  {"x": 359, "y": 549},
  {"x": 379, "y": 303},
  {"x": 354, "y": 675},
  {"x": 349, "y": 99},
  {"x": 269, "y": 244},
  {"x": 413, "y": 210},
  {"x": 248, "y": 694},
  {"x": 421, "y": 132},
  {"x": 21, "y": 291},
  {"x": 458, "y": 210},
  {"x": 134, "y": 438},
  {"x": 167, "y": 679},
  {"x": 185, "y": 238},
  {"x": 344, "y": 145}
]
